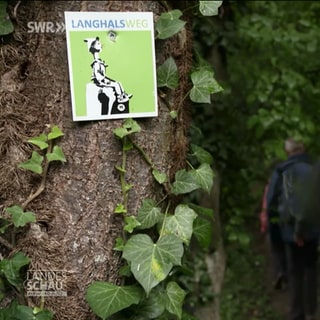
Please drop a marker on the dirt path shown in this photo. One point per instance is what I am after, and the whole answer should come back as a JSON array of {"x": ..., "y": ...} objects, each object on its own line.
[{"x": 278, "y": 297}]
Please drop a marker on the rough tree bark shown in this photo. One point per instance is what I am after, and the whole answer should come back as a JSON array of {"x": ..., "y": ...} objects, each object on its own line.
[{"x": 76, "y": 225}]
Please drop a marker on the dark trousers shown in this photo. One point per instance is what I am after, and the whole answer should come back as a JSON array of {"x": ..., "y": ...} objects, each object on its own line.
[
  {"x": 302, "y": 276},
  {"x": 278, "y": 251}
]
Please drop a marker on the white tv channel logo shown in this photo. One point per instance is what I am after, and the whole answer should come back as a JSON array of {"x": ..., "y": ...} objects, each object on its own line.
[
  {"x": 46, "y": 27},
  {"x": 46, "y": 283}
]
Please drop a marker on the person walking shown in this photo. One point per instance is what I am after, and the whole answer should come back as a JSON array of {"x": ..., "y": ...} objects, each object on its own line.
[
  {"x": 284, "y": 203},
  {"x": 276, "y": 243}
]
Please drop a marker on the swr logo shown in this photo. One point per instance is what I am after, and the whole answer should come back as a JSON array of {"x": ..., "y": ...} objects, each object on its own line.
[{"x": 46, "y": 27}]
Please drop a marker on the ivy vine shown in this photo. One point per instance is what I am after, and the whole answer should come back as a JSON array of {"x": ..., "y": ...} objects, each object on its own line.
[
  {"x": 154, "y": 241},
  {"x": 151, "y": 259},
  {"x": 11, "y": 269}
]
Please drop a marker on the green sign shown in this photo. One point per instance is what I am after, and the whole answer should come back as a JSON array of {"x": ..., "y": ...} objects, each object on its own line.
[{"x": 111, "y": 65}]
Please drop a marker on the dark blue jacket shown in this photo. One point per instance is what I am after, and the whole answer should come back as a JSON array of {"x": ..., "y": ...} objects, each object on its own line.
[{"x": 274, "y": 195}]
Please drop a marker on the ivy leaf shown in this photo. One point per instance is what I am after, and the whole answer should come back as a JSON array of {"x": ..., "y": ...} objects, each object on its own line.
[
  {"x": 55, "y": 133},
  {"x": 153, "y": 306},
  {"x": 203, "y": 232},
  {"x": 120, "y": 209},
  {"x": 148, "y": 214},
  {"x": 125, "y": 271},
  {"x": 106, "y": 299},
  {"x": 169, "y": 24},
  {"x": 167, "y": 74},
  {"x": 202, "y": 155},
  {"x": 204, "y": 85},
  {"x": 171, "y": 15},
  {"x": 56, "y": 155},
  {"x": 11, "y": 268},
  {"x": 206, "y": 212},
  {"x": 204, "y": 176},
  {"x": 130, "y": 126},
  {"x": 184, "y": 182},
  {"x": 22, "y": 312},
  {"x": 131, "y": 223},
  {"x": 209, "y": 8},
  {"x": 175, "y": 299},
  {"x": 151, "y": 262},
  {"x": 128, "y": 187},
  {"x": 119, "y": 244},
  {"x": 160, "y": 177},
  {"x": 39, "y": 141},
  {"x": 120, "y": 132},
  {"x": 9, "y": 311},
  {"x": 19, "y": 217},
  {"x": 187, "y": 181},
  {"x": 44, "y": 315},
  {"x": 6, "y": 25},
  {"x": 181, "y": 223},
  {"x": 173, "y": 114},
  {"x": 34, "y": 163}
]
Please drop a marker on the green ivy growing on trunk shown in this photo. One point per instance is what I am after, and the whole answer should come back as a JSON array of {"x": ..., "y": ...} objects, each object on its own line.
[
  {"x": 12, "y": 269},
  {"x": 152, "y": 260}
]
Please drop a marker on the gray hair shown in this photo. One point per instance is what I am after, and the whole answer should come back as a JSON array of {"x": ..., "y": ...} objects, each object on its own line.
[{"x": 291, "y": 145}]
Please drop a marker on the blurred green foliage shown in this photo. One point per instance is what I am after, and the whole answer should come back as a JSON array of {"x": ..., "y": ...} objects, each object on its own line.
[
  {"x": 245, "y": 295},
  {"x": 265, "y": 54},
  {"x": 270, "y": 53}
]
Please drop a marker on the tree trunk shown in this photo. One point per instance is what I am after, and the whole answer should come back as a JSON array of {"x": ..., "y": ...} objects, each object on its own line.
[{"x": 76, "y": 226}]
